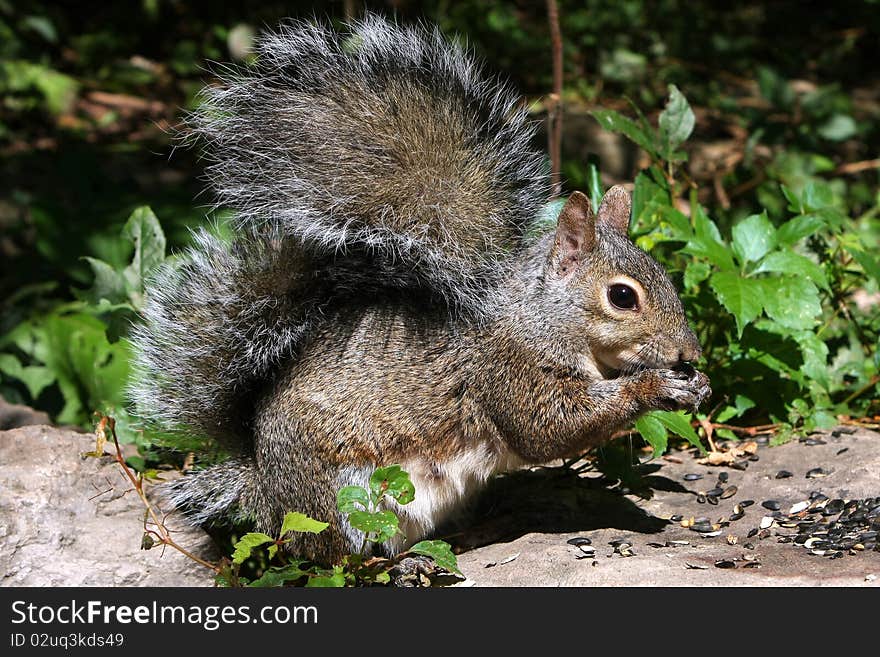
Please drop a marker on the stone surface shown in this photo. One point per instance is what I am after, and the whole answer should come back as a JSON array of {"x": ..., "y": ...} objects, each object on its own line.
[
  {"x": 13, "y": 416},
  {"x": 531, "y": 515},
  {"x": 66, "y": 520}
]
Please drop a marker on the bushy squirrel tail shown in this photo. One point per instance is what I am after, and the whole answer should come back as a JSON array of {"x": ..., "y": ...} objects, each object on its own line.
[
  {"x": 216, "y": 323},
  {"x": 386, "y": 140},
  {"x": 220, "y": 493}
]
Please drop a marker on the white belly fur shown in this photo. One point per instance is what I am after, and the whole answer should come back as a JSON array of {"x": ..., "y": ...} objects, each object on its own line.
[{"x": 441, "y": 489}]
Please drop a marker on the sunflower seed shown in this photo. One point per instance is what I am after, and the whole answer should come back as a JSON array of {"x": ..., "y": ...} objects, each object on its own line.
[
  {"x": 800, "y": 506},
  {"x": 725, "y": 563},
  {"x": 817, "y": 472},
  {"x": 692, "y": 477},
  {"x": 579, "y": 540},
  {"x": 772, "y": 505},
  {"x": 783, "y": 474}
]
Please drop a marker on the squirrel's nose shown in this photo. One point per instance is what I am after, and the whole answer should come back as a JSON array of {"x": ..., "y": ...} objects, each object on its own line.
[
  {"x": 689, "y": 348},
  {"x": 689, "y": 353}
]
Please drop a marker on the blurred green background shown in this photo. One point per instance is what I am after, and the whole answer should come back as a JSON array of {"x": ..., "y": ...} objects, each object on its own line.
[{"x": 783, "y": 93}]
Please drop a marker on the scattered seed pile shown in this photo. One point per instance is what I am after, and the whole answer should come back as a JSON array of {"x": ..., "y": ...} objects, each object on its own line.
[{"x": 824, "y": 526}]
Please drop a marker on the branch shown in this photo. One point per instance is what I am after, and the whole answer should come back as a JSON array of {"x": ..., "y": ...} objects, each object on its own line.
[
  {"x": 163, "y": 536},
  {"x": 554, "y": 101}
]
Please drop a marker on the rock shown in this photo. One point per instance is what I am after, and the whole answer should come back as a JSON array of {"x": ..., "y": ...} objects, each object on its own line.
[
  {"x": 13, "y": 416},
  {"x": 66, "y": 520},
  {"x": 536, "y": 513}
]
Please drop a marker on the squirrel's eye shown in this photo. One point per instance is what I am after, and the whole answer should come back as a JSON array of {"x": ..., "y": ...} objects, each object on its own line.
[{"x": 623, "y": 297}]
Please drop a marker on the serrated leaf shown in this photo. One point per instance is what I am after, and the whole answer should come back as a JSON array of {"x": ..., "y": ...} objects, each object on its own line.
[
  {"x": 791, "y": 301},
  {"x": 300, "y": 522},
  {"x": 616, "y": 122},
  {"x": 394, "y": 482},
  {"x": 868, "y": 262},
  {"x": 753, "y": 238},
  {"x": 695, "y": 273},
  {"x": 679, "y": 423},
  {"x": 789, "y": 262},
  {"x": 707, "y": 243},
  {"x": 676, "y": 120},
  {"x": 440, "y": 552},
  {"x": 383, "y": 524},
  {"x": 815, "y": 353},
  {"x": 335, "y": 580},
  {"x": 348, "y": 498},
  {"x": 741, "y": 405},
  {"x": 247, "y": 544},
  {"x": 794, "y": 230},
  {"x": 279, "y": 575},
  {"x": 654, "y": 433},
  {"x": 742, "y": 297},
  {"x": 817, "y": 195}
]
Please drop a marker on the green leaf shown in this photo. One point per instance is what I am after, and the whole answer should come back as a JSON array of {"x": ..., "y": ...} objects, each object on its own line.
[
  {"x": 646, "y": 198},
  {"x": 794, "y": 230},
  {"x": 109, "y": 284},
  {"x": 348, "y": 498},
  {"x": 394, "y": 482},
  {"x": 679, "y": 423},
  {"x": 695, "y": 273},
  {"x": 741, "y": 405},
  {"x": 815, "y": 353},
  {"x": 382, "y": 524},
  {"x": 654, "y": 433},
  {"x": 42, "y": 26},
  {"x": 594, "y": 185},
  {"x": 616, "y": 122},
  {"x": 676, "y": 120},
  {"x": 838, "y": 128},
  {"x": 791, "y": 301},
  {"x": 300, "y": 522},
  {"x": 279, "y": 575},
  {"x": 789, "y": 262},
  {"x": 707, "y": 242},
  {"x": 817, "y": 195},
  {"x": 753, "y": 237},
  {"x": 247, "y": 544},
  {"x": 143, "y": 229},
  {"x": 36, "y": 378},
  {"x": 334, "y": 580},
  {"x": 742, "y": 297},
  {"x": 868, "y": 262},
  {"x": 440, "y": 552}
]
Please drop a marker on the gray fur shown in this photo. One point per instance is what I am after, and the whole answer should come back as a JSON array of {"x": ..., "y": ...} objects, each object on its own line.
[{"x": 385, "y": 139}]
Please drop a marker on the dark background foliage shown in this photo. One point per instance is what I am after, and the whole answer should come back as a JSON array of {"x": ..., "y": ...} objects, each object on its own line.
[{"x": 785, "y": 99}]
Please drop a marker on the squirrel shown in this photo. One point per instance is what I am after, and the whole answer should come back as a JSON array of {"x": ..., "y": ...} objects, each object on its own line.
[{"x": 389, "y": 295}]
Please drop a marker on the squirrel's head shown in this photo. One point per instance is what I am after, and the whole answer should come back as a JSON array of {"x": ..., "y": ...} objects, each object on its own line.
[{"x": 622, "y": 310}]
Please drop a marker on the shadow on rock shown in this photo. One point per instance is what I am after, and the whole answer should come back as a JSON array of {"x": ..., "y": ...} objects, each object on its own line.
[{"x": 554, "y": 501}]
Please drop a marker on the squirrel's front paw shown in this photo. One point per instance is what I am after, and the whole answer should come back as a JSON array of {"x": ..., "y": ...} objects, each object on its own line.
[{"x": 673, "y": 390}]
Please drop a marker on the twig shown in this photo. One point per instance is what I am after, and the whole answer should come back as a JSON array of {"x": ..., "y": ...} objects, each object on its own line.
[
  {"x": 554, "y": 102},
  {"x": 161, "y": 532},
  {"x": 870, "y": 384},
  {"x": 857, "y": 167}
]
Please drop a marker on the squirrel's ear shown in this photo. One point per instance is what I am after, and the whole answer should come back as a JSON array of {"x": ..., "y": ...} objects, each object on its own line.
[
  {"x": 575, "y": 234},
  {"x": 615, "y": 209}
]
